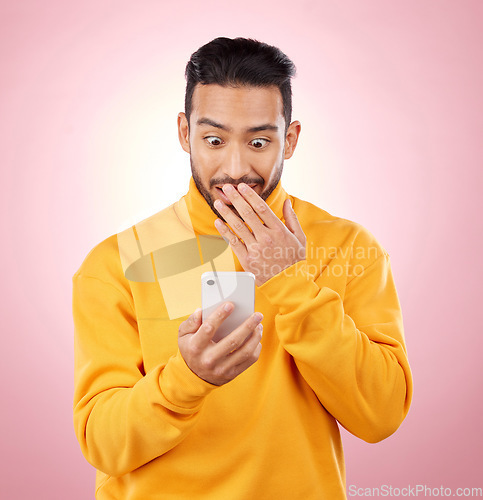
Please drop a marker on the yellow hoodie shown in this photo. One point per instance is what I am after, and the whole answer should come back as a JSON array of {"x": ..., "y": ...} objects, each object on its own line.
[{"x": 333, "y": 353}]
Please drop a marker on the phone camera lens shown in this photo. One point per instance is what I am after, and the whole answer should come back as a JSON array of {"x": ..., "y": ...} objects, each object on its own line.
[{"x": 210, "y": 282}]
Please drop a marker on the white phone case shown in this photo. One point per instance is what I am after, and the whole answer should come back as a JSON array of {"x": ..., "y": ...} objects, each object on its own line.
[{"x": 236, "y": 287}]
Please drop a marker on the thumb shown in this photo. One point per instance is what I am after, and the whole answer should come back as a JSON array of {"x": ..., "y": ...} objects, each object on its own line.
[
  {"x": 191, "y": 324},
  {"x": 291, "y": 220}
]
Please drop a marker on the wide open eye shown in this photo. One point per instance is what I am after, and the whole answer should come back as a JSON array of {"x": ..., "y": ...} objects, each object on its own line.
[
  {"x": 213, "y": 140},
  {"x": 259, "y": 143}
]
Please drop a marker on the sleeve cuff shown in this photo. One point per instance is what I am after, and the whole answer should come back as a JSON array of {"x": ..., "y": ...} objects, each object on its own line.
[
  {"x": 290, "y": 287},
  {"x": 181, "y": 387}
]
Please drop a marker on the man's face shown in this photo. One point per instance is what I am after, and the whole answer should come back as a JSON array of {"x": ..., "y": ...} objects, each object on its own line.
[{"x": 236, "y": 135}]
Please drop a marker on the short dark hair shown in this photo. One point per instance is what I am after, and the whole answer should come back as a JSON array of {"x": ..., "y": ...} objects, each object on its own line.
[{"x": 239, "y": 62}]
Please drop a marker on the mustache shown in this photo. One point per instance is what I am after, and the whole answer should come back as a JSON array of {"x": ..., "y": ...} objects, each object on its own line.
[{"x": 235, "y": 182}]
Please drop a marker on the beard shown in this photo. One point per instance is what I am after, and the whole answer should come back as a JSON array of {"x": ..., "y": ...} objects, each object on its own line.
[{"x": 228, "y": 180}]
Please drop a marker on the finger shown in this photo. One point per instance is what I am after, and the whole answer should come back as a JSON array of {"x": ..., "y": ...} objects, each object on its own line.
[
  {"x": 191, "y": 324},
  {"x": 243, "y": 208},
  {"x": 236, "y": 338},
  {"x": 235, "y": 243},
  {"x": 236, "y": 224},
  {"x": 250, "y": 359},
  {"x": 206, "y": 331},
  {"x": 259, "y": 206},
  {"x": 247, "y": 350},
  {"x": 292, "y": 221},
  {"x": 243, "y": 358}
]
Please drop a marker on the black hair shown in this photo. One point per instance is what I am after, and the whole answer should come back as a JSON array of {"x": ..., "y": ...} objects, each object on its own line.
[{"x": 240, "y": 62}]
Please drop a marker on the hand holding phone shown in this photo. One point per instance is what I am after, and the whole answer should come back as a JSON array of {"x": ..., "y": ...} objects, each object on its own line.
[{"x": 222, "y": 361}]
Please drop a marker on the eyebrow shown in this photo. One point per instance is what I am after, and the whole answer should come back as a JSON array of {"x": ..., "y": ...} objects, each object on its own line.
[{"x": 259, "y": 128}]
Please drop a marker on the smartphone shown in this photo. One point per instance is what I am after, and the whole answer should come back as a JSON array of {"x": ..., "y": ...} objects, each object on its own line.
[{"x": 236, "y": 287}]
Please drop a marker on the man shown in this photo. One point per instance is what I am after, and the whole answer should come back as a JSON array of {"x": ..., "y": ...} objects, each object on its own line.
[{"x": 164, "y": 412}]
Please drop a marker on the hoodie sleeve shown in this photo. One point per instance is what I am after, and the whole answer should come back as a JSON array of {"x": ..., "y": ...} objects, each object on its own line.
[
  {"x": 124, "y": 417},
  {"x": 350, "y": 349}
]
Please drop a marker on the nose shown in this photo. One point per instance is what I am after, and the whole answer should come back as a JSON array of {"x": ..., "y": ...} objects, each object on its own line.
[{"x": 235, "y": 164}]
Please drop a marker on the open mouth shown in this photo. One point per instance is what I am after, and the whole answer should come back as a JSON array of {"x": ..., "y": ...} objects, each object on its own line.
[{"x": 222, "y": 195}]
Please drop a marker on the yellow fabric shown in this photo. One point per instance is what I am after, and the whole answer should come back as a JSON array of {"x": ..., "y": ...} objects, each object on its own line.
[{"x": 333, "y": 352}]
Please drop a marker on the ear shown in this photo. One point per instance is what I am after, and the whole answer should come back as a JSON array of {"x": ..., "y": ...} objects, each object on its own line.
[
  {"x": 291, "y": 138},
  {"x": 183, "y": 132}
]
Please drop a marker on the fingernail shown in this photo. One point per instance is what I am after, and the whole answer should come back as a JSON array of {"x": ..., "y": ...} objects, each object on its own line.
[
  {"x": 228, "y": 307},
  {"x": 258, "y": 316}
]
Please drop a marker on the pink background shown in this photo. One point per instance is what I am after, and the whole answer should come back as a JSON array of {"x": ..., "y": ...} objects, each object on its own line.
[{"x": 389, "y": 96}]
